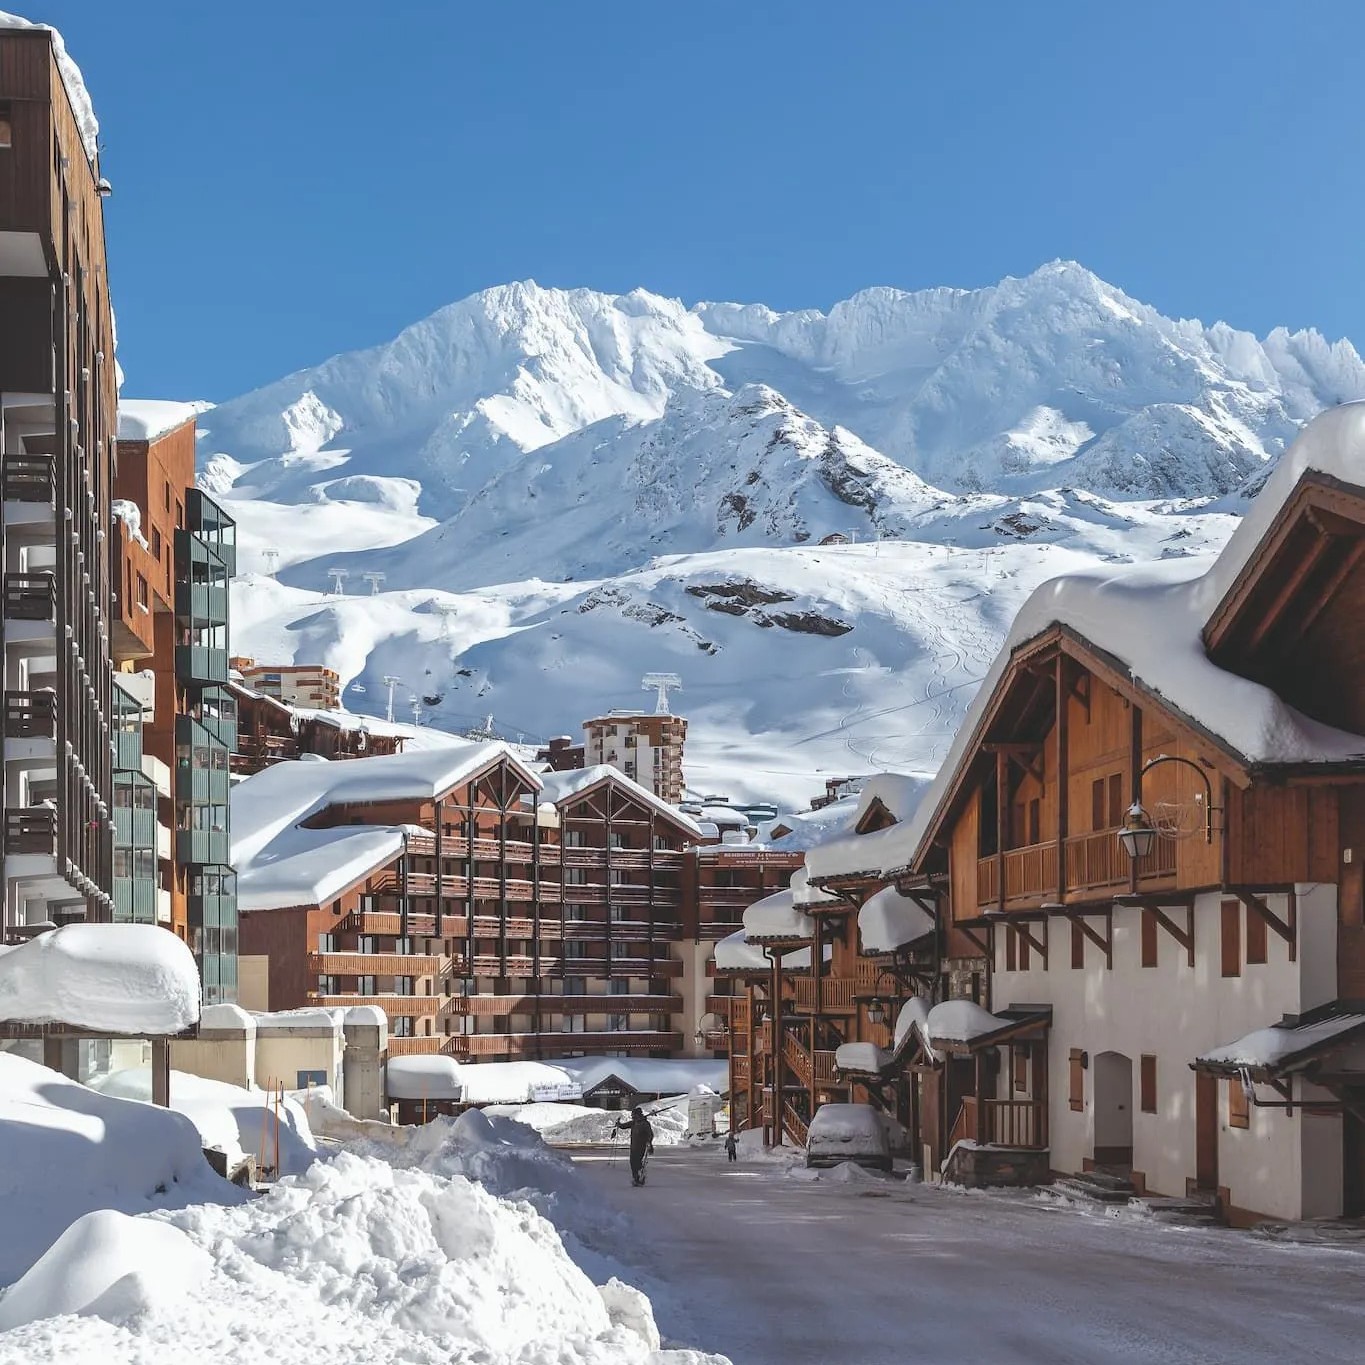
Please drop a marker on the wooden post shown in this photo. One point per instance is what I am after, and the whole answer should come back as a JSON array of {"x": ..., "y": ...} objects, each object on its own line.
[
  {"x": 161, "y": 1072},
  {"x": 1002, "y": 773},
  {"x": 777, "y": 1047},
  {"x": 1135, "y": 764},
  {"x": 1040, "y": 1088},
  {"x": 817, "y": 965},
  {"x": 1063, "y": 772}
]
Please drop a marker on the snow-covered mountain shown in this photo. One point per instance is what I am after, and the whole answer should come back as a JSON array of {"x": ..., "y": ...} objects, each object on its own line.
[{"x": 572, "y": 487}]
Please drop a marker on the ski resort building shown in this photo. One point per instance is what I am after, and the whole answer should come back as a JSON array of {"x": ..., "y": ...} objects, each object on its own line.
[
  {"x": 273, "y": 731},
  {"x": 493, "y": 913},
  {"x": 57, "y": 432},
  {"x": 176, "y": 551},
  {"x": 308, "y": 685},
  {"x": 646, "y": 746},
  {"x": 1149, "y": 830}
]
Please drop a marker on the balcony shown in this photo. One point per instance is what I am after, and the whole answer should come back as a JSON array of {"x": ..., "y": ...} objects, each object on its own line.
[
  {"x": 741, "y": 897},
  {"x": 128, "y": 750},
  {"x": 411, "y": 1006},
  {"x": 31, "y": 715},
  {"x": 134, "y": 826},
  {"x": 484, "y": 1006},
  {"x": 30, "y": 597},
  {"x": 836, "y": 994},
  {"x": 29, "y": 478},
  {"x": 135, "y": 900},
  {"x": 205, "y": 604},
  {"x": 213, "y": 908},
  {"x": 33, "y": 830},
  {"x": 1094, "y": 862},
  {"x": 376, "y": 964},
  {"x": 554, "y": 1043},
  {"x": 201, "y": 664},
  {"x": 206, "y": 847}
]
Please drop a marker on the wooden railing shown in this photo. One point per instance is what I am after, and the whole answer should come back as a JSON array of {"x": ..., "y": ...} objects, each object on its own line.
[
  {"x": 835, "y": 993},
  {"x": 795, "y": 1126},
  {"x": 965, "y": 1127},
  {"x": 1100, "y": 860},
  {"x": 28, "y": 478},
  {"x": 31, "y": 715},
  {"x": 1012, "y": 1123},
  {"x": 796, "y": 1058},
  {"x": 374, "y": 964},
  {"x": 390, "y": 1004},
  {"x": 31, "y": 829},
  {"x": 1093, "y": 861}
]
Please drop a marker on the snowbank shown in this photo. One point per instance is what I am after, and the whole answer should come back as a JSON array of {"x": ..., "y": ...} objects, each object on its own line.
[
  {"x": 420, "y": 1077},
  {"x": 109, "y": 1265},
  {"x": 66, "y": 1151},
  {"x": 228, "y": 1117},
  {"x": 113, "y": 978}
]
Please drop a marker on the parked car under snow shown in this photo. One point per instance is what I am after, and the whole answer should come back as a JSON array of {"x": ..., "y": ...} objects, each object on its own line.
[{"x": 848, "y": 1132}]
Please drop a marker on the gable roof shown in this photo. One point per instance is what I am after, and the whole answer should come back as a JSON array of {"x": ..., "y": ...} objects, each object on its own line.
[{"x": 576, "y": 783}]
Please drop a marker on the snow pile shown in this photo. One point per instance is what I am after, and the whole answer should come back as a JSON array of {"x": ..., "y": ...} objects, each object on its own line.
[
  {"x": 148, "y": 419},
  {"x": 327, "y": 1119},
  {"x": 69, "y": 1151},
  {"x": 888, "y": 921},
  {"x": 109, "y": 1265},
  {"x": 570, "y": 1125},
  {"x": 734, "y": 953},
  {"x": 234, "y": 1120},
  {"x": 112, "y": 978},
  {"x": 422, "y": 1077},
  {"x": 776, "y": 917},
  {"x": 130, "y": 514},
  {"x": 81, "y": 105}
]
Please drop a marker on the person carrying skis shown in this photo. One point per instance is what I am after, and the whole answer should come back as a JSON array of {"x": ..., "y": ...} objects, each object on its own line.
[
  {"x": 731, "y": 1144},
  {"x": 641, "y": 1142}
]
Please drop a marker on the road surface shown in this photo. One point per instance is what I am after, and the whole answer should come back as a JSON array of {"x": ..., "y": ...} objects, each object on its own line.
[{"x": 770, "y": 1269}]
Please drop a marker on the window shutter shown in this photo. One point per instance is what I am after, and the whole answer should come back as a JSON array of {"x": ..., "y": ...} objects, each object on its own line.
[
  {"x": 1010, "y": 963},
  {"x": 1077, "y": 947},
  {"x": 1076, "y": 1077},
  {"x": 1232, "y": 938},
  {"x": 1148, "y": 1083},
  {"x": 1019, "y": 1069},
  {"x": 1097, "y": 804},
  {"x": 1115, "y": 800},
  {"x": 1022, "y": 931},
  {"x": 1239, "y": 1111},
  {"x": 1256, "y": 937}
]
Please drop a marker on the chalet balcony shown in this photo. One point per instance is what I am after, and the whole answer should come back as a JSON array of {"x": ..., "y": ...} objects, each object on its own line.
[
  {"x": 411, "y": 1006},
  {"x": 1094, "y": 862},
  {"x": 739, "y": 896},
  {"x": 836, "y": 994},
  {"x": 31, "y": 715},
  {"x": 551, "y": 1042},
  {"x": 484, "y": 1006}
]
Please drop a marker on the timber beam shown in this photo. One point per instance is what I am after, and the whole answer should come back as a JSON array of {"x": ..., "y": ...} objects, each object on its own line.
[
  {"x": 1037, "y": 945},
  {"x": 981, "y": 943},
  {"x": 1105, "y": 941},
  {"x": 1287, "y": 928}
]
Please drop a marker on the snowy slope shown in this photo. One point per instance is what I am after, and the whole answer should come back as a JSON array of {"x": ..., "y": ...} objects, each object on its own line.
[{"x": 565, "y": 489}]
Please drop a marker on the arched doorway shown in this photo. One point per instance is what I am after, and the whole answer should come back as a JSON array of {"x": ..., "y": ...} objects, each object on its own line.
[{"x": 1113, "y": 1109}]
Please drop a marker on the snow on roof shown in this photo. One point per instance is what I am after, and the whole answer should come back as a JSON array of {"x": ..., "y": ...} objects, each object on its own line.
[
  {"x": 1151, "y": 619},
  {"x": 517, "y": 1082},
  {"x": 959, "y": 1021},
  {"x": 226, "y": 1019},
  {"x": 888, "y": 920},
  {"x": 807, "y": 828},
  {"x": 803, "y": 893},
  {"x": 651, "y": 1075},
  {"x": 725, "y": 817},
  {"x": 558, "y": 787},
  {"x": 136, "y": 979},
  {"x": 423, "y": 1077},
  {"x": 301, "y": 1021},
  {"x": 148, "y": 419},
  {"x": 864, "y": 1057},
  {"x": 734, "y": 953},
  {"x": 279, "y": 863},
  {"x": 856, "y": 854},
  {"x": 81, "y": 105},
  {"x": 1268, "y": 1047},
  {"x": 899, "y": 792},
  {"x": 776, "y": 917}
]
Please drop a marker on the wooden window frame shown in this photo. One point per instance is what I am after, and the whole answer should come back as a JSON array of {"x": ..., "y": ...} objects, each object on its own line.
[
  {"x": 1147, "y": 1083},
  {"x": 1230, "y": 940},
  {"x": 1239, "y": 1111}
]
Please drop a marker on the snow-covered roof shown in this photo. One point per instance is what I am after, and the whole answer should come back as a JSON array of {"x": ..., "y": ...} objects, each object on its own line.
[
  {"x": 912, "y": 1024},
  {"x": 864, "y": 1057},
  {"x": 803, "y": 893},
  {"x": 422, "y": 1076},
  {"x": 734, "y": 953},
  {"x": 651, "y": 1075},
  {"x": 135, "y": 979},
  {"x": 280, "y": 864},
  {"x": 1274, "y": 1047},
  {"x": 807, "y": 828},
  {"x": 1151, "y": 620},
  {"x": 959, "y": 1021},
  {"x": 81, "y": 105},
  {"x": 776, "y": 917},
  {"x": 148, "y": 419},
  {"x": 887, "y": 921},
  {"x": 899, "y": 792},
  {"x": 558, "y": 787}
]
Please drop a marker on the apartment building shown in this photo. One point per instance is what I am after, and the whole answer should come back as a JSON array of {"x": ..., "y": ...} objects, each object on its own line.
[
  {"x": 273, "y": 731},
  {"x": 492, "y": 912},
  {"x": 306, "y": 685},
  {"x": 57, "y": 433},
  {"x": 175, "y": 552},
  {"x": 646, "y": 747}
]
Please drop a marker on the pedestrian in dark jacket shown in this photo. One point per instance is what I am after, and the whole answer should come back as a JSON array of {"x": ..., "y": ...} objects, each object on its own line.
[
  {"x": 731, "y": 1144},
  {"x": 641, "y": 1142}
]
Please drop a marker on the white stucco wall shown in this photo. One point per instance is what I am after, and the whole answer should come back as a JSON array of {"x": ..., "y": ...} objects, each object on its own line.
[{"x": 1174, "y": 1012}]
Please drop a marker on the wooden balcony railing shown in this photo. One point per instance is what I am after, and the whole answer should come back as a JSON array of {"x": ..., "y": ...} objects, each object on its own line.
[
  {"x": 835, "y": 993},
  {"x": 795, "y": 1126},
  {"x": 551, "y": 1042},
  {"x": 376, "y": 964},
  {"x": 484, "y": 1006},
  {"x": 30, "y": 596},
  {"x": 31, "y": 715},
  {"x": 1093, "y": 861},
  {"x": 28, "y": 478},
  {"x": 1012, "y": 1123},
  {"x": 31, "y": 830},
  {"x": 390, "y": 1004}
]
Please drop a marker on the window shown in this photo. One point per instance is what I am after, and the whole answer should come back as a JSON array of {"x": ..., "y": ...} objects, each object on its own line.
[
  {"x": 1019, "y": 1070},
  {"x": 575, "y": 986},
  {"x": 1097, "y": 803},
  {"x": 618, "y": 986},
  {"x": 1024, "y": 945},
  {"x": 156, "y": 545},
  {"x": 1256, "y": 938},
  {"x": 1147, "y": 1083},
  {"x": 142, "y": 592},
  {"x": 1149, "y": 939},
  {"x": 166, "y": 497},
  {"x": 1077, "y": 947},
  {"x": 6, "y": 125},
  {"x": 1232, "y": 938},
  {"x": 1076, "y": 1077},
  {"x": 310, "y": 1078},
  {"x": 1106, "y": 802},
  {"x": 400, "y": 1026},
  {"x": 1239, "y": 1111},
  {"x": 1034, "y": 825}
]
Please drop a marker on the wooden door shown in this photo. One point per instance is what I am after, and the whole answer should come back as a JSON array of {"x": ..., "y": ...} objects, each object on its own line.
[
  {"x": 1351, "y": 898},
  {"x": 1205, "y": 1130}
]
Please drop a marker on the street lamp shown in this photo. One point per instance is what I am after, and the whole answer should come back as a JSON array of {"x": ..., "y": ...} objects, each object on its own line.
[
  {"x": 1138, "y": 835},
  {"x": 699, "y": 1037},
  {"x": 876, "y": 1012}
]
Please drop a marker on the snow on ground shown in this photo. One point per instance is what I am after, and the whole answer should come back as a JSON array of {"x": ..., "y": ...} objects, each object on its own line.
[
  {"x": 773, "y": 1270},
  {"x": 447, "y": 1243},
  {"x": 237, "y": 1121},
  {"x": 118, "y": 978},
  {"x": 573, "y": 1125},
  {"x": 66, "y": 1151}
]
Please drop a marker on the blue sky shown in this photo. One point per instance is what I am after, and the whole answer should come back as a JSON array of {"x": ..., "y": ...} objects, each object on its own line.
[{"x": 296, "y": 179}]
